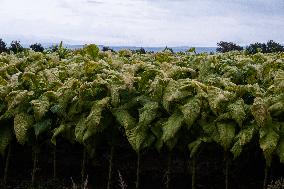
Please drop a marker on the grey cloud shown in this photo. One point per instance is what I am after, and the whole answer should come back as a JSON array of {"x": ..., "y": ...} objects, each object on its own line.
[
  {"x": 94, "y": 2},
  {"x": 145, "y": 22}
]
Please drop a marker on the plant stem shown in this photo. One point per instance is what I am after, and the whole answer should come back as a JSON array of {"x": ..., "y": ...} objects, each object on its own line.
[
  {"x": 83, "y": 170},
  {"x": 227, "y": 174},
  {"x": 265, "y": 176},
  {"x": 110, "y": 167},
  {"x": 138, "y": 170},
  {"x": 35, "y": 152},
  {"x": 169, "y": 168},
  {"x": 227, "y": 160},
  {"x": 7, "y": 162},
  {"x": 193, "y": 176},
  {"x": 54, "y": 163}
]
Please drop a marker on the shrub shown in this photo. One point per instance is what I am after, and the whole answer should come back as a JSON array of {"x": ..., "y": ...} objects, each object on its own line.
[
  {"x": 272, "y": 47},
  {"x": 269, "y": 47},
  {"x": 167, "y": 49},
  {"x": 104, "y": 49},
  {"x": 37, "y": 47},
  {"x": 92, "y": 50},
  {"x": 228, "y": 46},
  {"x": 3, "y": 47},
  {"x": 140, "y": 51},
  {"x": 16, "y": 47}
]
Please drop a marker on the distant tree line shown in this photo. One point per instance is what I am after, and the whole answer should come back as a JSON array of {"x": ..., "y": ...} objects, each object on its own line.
[
  {"x": 16, "y": 47},
  {"x": 223, "y": 46},
  {"x": 269, "y": 47}
]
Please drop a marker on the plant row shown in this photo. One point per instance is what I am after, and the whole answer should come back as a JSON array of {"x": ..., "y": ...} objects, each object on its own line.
[{"x": 158, "y": 100}]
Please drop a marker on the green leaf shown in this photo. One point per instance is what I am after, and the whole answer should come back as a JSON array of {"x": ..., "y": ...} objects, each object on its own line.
[
  {"x": 268, "y": 143},
  {"x": 176, "y": 91},
  {"x": 195, "y": 145},
  {"x": 66, "y": 130},
  {"x": 148, "y": 113},
  {"x": 92, "y": 50},
  {"x": 22, "y": 123},
  {"x": 280, "y": 150},
  {"x": 217, "y": 99},
  {"x": 93, "y": 121},
  {"x": 40, "y": 107},
  {"x": 17, "y": 97},
  {"x": 260, "y": 112},
  {"x": 140, "y": 137},
  {"x": 237, "y": 111},
  {"x": 157, "y": 130},
  {"x": 171, "y": 128},
  {"x": 5, "y": 138},
  {"x": 191, "y": 110},
  {"x": 226, "y": 134},
  {"x": 42, "y": 126},
  {"x": 243, "y": 138},
  {"x": 124, "y": 118}
]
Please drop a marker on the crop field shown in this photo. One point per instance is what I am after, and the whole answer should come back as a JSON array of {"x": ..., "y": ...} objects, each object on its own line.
[{"x": 131, "y": 120}]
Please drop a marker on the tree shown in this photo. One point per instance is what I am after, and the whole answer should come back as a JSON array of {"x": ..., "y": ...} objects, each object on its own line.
[
  {"x": 37, "y": 47},
  {"x": 272, "y": 47},
  {"x": 140, "y": 51},
  {"x": 3, "y": 47},
  {"x": 224, "y": 46},
  {"x": 16, "y": 47},
  {"x": 255, "y": 48},
  {"x": 104, "y": 49},
  {"x": 168, "y": 49},
  {"x": 269, "y": 47}
]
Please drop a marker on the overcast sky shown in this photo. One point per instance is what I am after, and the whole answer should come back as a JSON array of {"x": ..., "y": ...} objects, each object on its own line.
[{"x": 142, "y": 22}]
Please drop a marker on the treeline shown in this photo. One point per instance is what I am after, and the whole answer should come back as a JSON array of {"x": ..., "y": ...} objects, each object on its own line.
[
  {"x": 222, "y": 47},
  {"x": 269, "y": 47},
  {"x": 16, "y": 47}
]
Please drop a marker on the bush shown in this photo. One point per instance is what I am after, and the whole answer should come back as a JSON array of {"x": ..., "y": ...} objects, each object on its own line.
[
  {"x": 3, "y": 47},
  {"x": 272, "y": 47},
  {"x": 228, "y": 46},
  {"x": 269, "y": 47},
  {"x": 37, "y": 47},
  {"x": 140, "y": 51},
  {"x": 104, "y": 49},
  {"x": 16, "y": 47},
  {"x": 167, "y": 49},
  {"x": 92, "y": 50},
  {"x": 125, "y": 53},
  {"x": 255, "y": 48}
]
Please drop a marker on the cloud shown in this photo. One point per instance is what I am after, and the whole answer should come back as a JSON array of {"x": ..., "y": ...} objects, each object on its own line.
[
  {"x": 94, "y": 2},
  {"x": 143, "y": 22}
]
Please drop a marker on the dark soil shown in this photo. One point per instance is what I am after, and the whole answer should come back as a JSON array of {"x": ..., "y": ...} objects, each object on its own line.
[{"x": 246, "y": 172}]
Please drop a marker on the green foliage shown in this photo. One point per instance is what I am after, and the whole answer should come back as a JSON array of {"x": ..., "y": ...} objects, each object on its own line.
[
  {"x": 23, "y": 122},
  {"x": 104, "y": 49},
  {"x": 225, "y": 134},
  {"x": 92, "y": 50},
  {"x": 62, "y": 51},
  {"x": 16, "y": 47},
  {"x": 153, "y": 100},
  {"x": 244, "y": 137},
  {"x": 37, "y": 47},
  {"x": 228, "y": 46},
  {"x": 268, "y": 143},
  {"x": 269, "y": 47},
  {"x": 5, "y": 138},
  {"x": 171, "y": 128},
  {"x": 3, "y": 47}
]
